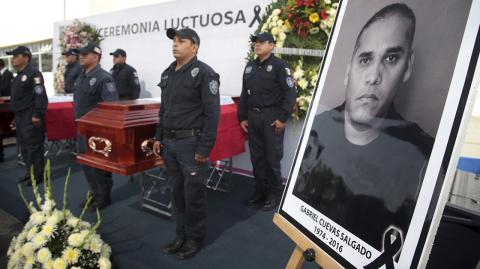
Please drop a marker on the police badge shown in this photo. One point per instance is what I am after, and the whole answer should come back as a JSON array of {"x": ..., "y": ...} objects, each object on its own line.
[
  {"x": 194, "y": 72},
  {"x": 213, "y": 87},
  {"x": 24, "y": 78},
  {"x": 92, "y": 81},
  {"x": 269, "y": 68},
  {"x": 37, "y": 80}
]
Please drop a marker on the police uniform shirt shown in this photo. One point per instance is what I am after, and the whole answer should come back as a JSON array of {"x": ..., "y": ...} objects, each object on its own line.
[
  {"x": 126, "y": 81},
  {"x": 28, "y": 92},
  {"x": 91, "y": 88},
  {"x": 5, "y": 82},
  {"x": 267, "y": 84},
  {"x": 72, "y": 71},
  {"x": 190, "y": 100}
]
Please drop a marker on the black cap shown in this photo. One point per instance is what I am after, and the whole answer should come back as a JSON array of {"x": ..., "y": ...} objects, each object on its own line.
[
  {"x": 70, "y": 52},
  {"x": 262, "y": 37},
  {"x": 119, "y": 52},
  {"x": 184, "y": 33},
  {"x": 90, "y": 47},
  {"x": 20, "y": 50}
]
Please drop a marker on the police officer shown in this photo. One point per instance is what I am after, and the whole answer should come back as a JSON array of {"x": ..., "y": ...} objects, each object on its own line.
[
  {"x": 29, "y": 102},
  {"x": 72, "y": 70},
  {"x": 94, "y": 85},
  {"x": 125, "y": 76},
  {"x": 187, "y": 130},
  {"x": 6, "y": 78},
  {"x": 266, "y": 102}
]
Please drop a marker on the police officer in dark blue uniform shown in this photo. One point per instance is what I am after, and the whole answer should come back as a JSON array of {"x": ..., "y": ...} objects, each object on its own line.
[
  {"x": 73, "y": 69},
  {"x": 125, "y": 76},
  {"x": 94, "y": 85},
  {"x": 29, "y": 102},
  {"x": 187, "y": 130},
  {"x": 266, "y": 102}
]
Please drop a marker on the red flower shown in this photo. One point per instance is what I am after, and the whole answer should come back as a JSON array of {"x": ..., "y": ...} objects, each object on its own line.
[
  {"x": 299, "y": 3},
  {"x": 307, "y": 24},
  {"x": 309, "y": 3},
  {"x": 297, "y": 22},
  {"x": 302, "y": 34},
  {"x": 324, "y": 14}
]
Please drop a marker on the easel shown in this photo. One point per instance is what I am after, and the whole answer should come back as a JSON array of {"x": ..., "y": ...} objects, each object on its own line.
[{"x": 305, "y": 249}]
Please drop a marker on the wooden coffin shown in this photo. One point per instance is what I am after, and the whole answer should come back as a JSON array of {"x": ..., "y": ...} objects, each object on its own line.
[
  {"x": 6, "y": 117},
  {"x": 119, "y": 136}
]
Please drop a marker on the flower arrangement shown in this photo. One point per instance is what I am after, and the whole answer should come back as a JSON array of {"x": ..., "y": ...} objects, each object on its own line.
[
  {"x": 300, "y": 24},
  {"x": 74, "y": 36},
  {"x": 56, "y": 239}
]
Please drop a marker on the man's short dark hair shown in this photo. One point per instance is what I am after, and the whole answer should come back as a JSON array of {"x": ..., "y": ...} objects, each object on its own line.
[
  {"x": 2, "y": 63},
  {"x": 390, "y": 10}
]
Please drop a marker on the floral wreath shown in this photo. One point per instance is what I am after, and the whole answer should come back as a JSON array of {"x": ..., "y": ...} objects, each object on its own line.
[
  {"x": 300, "y": 24},
  {"x": 73, "y": 36}
]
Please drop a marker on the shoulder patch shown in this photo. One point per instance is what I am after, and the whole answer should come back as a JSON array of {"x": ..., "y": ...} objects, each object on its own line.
[
  {"x": 290, "y": 82},
  {"x": 213, "y": 87},
  {"x": 37, "y": 80},
  {"x": 194, "y": 72},
  {"x": 248, "y": 70},
  {"x": 289, "y": 73},
  {"x": 38, "y": 89},
  {"x": 135, "y": 74},
  {"x": 111, "y": 86},
  {"x": 92, "y": 81}
]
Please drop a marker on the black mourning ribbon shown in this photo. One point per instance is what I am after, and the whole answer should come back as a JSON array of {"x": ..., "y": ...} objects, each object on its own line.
[
  {"x": 390, "y": 249},
  {"x": 256, "y": 11}
]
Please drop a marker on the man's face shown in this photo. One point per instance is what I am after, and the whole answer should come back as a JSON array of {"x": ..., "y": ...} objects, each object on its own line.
[
  {"x": 19, "y": 60},
  {"x": 263, "y": 48},
  {"x": 118, "y": 59},
  {"x": 88, "y": 59},
  {"x": 381, "y": 63},
  {"x": 70, "y": 59},
  {"x": 183, "y": 48}
]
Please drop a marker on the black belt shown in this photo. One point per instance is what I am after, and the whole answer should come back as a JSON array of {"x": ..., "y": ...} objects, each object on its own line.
[
  {"x": 178, "y": 134},
  {"x": 260, "y": 109}
]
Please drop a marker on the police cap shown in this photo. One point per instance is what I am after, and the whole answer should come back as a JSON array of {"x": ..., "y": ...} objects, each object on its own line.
[
  {"x": 119, "y": 52},
  {"x": 90, "y": 47},
  {"x": 262, "y": 37},
  {"x": 20, "y": 50},
  {"x": 70, "y": 52},
  {"x": 184, "y": 33}
]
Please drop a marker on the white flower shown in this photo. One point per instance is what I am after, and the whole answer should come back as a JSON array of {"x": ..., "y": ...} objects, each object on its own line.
[
  {"x": 27, "y": 249},
  {"x": 48, "y": 205},
  {"x": 303, "y": 83},
  {"x": 282, "y": 36},
  {"x": 44, "y": 255},
  {"x": 85, "y": 225},
  {"x": 75, "y": 240},
  {"x": 280, "y": 23},
  {"x": 96, "y": 245},
  {"x": 106, "y": 251},
  {"x": 72, "y": 221},
  {"x": 14, "y": 259},
  {"x": 275, "y": 31},
  {"x": 276, "y": 12},
  {"x": 32, "y": 232},
  {"x": 274, "y": 19},
  {"x": 59, "y": 263},
  {"x": 48, "y": 230},
  {"x": 70, "y": 255},
  {"x": 104, "y": 263},
  {"x": 75, "y": 267},
  {"x": 55, "y": 218},
  {"x": 28, "y": 262},
  {"x": 37, "y": 218},
  {"x": 298, "y": 74},
  {"x": 39, "y": 241}
]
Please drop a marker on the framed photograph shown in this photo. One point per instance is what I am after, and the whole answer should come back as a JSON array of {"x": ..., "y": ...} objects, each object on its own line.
[{"x": 378, "y": 138}]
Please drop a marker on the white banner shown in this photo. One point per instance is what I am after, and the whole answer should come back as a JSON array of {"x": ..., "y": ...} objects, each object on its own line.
[{"x": 224, "y": 28}]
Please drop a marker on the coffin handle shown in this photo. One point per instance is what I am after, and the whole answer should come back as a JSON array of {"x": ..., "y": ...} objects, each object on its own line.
[
  {"x": 92, "y": 143},
  {"x": 147, "y": 146}
]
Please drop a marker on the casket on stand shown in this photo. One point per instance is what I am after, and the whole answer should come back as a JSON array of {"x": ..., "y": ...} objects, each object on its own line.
[{"x": 119, "y": 136}]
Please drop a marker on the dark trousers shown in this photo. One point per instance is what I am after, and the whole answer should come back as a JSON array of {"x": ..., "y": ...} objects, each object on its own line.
[
  {"x": 31, "y": 139},
  {"x": 187, "y": 181},
  {"x": 266, "y": 151},
  {"x": 100, "y": 181}
]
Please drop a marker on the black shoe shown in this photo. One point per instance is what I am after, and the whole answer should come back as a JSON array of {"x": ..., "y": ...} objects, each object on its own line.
[
  {"x": 270, "y": 204},
  {"x": 256, "y": 199},
  {"x": 101, "y": 202},
  {"x": 174, "y": 246},
  {"x": 189, "y": 249}
]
